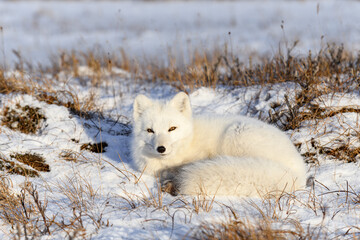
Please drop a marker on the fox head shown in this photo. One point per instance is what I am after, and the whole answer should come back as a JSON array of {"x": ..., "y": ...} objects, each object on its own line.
[{"x": 161, "y": 128}]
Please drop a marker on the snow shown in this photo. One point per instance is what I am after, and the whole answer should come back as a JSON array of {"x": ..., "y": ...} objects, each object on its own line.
[
  {"x": 164, "y": 217},
  {"x": 117, "y": 194},
  {"x": 150, "y": 29}
]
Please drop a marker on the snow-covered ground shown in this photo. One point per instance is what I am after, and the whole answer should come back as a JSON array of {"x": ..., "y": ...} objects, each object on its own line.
[
  {"x": 134, "y": 208},
  {"x": 116, "y": 201}
]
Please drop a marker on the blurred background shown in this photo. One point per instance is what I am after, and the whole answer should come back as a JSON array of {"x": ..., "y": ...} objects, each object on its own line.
[{"x": 36, "y": 30}]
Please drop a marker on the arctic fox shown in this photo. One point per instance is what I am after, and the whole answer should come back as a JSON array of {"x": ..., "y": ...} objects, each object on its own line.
[{"x": 205, "y": 154}]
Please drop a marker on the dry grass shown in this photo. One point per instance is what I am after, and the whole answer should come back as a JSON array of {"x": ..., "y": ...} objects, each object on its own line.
[
  {"x": 39, "y": 85},
  {"x": 84, "y": 108},
  {"x": 27, "y": 216},
  {"x": 70, "y": 155},
  {"x": 330, "y": 71},
  {"x": 24, "y": 212},
  {"x": 221, "y": 67},
  {"x": 33, "y": 160},
  {"x": 94, "y": 147},
  {"x": 218, "y": 67},
  {"x": 273, "y": 218},
  {"x": 146, "y": 198},
  {"x": 83, "y": 210},
  {"x": 344, "y": 152},
  {"x": 9, "y": 166},
  {"x": 262, "y": 230},
  {"x": 25, "y": 119},
  {"x": 100, "y": 65},
  {"x": 86, "y": 205}
]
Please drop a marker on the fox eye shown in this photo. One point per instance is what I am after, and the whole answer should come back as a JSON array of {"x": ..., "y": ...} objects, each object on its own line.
[
  {"x": 172, "y": 129},
  {"x": 149, "y": 130}
]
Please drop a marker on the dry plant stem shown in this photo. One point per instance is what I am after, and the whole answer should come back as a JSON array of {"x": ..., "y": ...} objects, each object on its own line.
[
  {"x": 117, "y": 169},
  {"x": 41, "y": 207},
  {"x": 25, "y": 212}
]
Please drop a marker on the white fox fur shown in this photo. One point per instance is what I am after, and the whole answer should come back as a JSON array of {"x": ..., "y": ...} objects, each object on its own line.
[{"x": 237, "y": 156}]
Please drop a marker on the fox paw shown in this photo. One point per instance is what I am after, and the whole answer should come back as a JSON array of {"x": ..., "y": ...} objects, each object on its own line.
[{"x": 169, "y": 187}]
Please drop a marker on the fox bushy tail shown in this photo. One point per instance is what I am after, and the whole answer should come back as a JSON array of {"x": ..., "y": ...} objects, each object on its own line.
[{"x": 244, "y": 176}]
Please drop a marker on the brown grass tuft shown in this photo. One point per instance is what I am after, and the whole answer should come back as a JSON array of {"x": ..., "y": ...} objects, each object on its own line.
[
  {"x": 33, "y": 160},
  {"x": 70, "y": 100},
  {"x": 244, "y": 230},
  {"x": 24, "y": 119},
  {"x": 11, "y": 167},
  {"x": 343, "y": 152},
  {"x": 94, "y": 147},
  {"x": 222, "y": 67}
]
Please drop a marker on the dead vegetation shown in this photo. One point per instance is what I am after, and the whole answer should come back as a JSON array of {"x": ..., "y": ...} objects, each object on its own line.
[
  {"x": 11, "y": 167},
  {"x": 83, "y": 203},
  {"x": 70, "y": 156},
  {"x": 83, "y": 208},
  {"x": 25, "y": 119},
  {"x": 71, "y": 101},
  {"x": 292, "y": 117},
  {"x": 244, "y": 230},
  {"x": 33, "y": 160},
  {"x": 18, "y": 164},
  {"x": 271, "y": 218},
  {"x": 332, "y": 65},
  {"x": 37, "y": 83},
  {"x": 24, "y": 212},
  {"x": 94, "y": 147},
  {"x": 330, "y": 71},
  {"x": 28, "y": 218}
]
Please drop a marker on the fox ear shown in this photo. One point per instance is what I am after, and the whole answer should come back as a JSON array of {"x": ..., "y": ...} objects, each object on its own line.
[
  {"x": 141, "y": 103},
  {"x": 181, "y": 102}
]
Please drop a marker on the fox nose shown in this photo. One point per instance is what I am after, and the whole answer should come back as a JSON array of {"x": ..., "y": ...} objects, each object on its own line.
[{"x": 161, "y": 149}]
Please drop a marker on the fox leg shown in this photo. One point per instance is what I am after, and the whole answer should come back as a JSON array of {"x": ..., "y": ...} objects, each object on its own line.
[{"x": 168, "y": 180}]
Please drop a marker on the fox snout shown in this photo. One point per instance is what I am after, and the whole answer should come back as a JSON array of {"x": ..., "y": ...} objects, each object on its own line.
[
  {"x": 161, "y": 144},
  {"x": 161, "y": 149}
]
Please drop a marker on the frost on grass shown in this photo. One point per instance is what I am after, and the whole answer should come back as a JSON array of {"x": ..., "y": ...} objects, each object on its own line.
[{"x": 25, "y": 119}]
